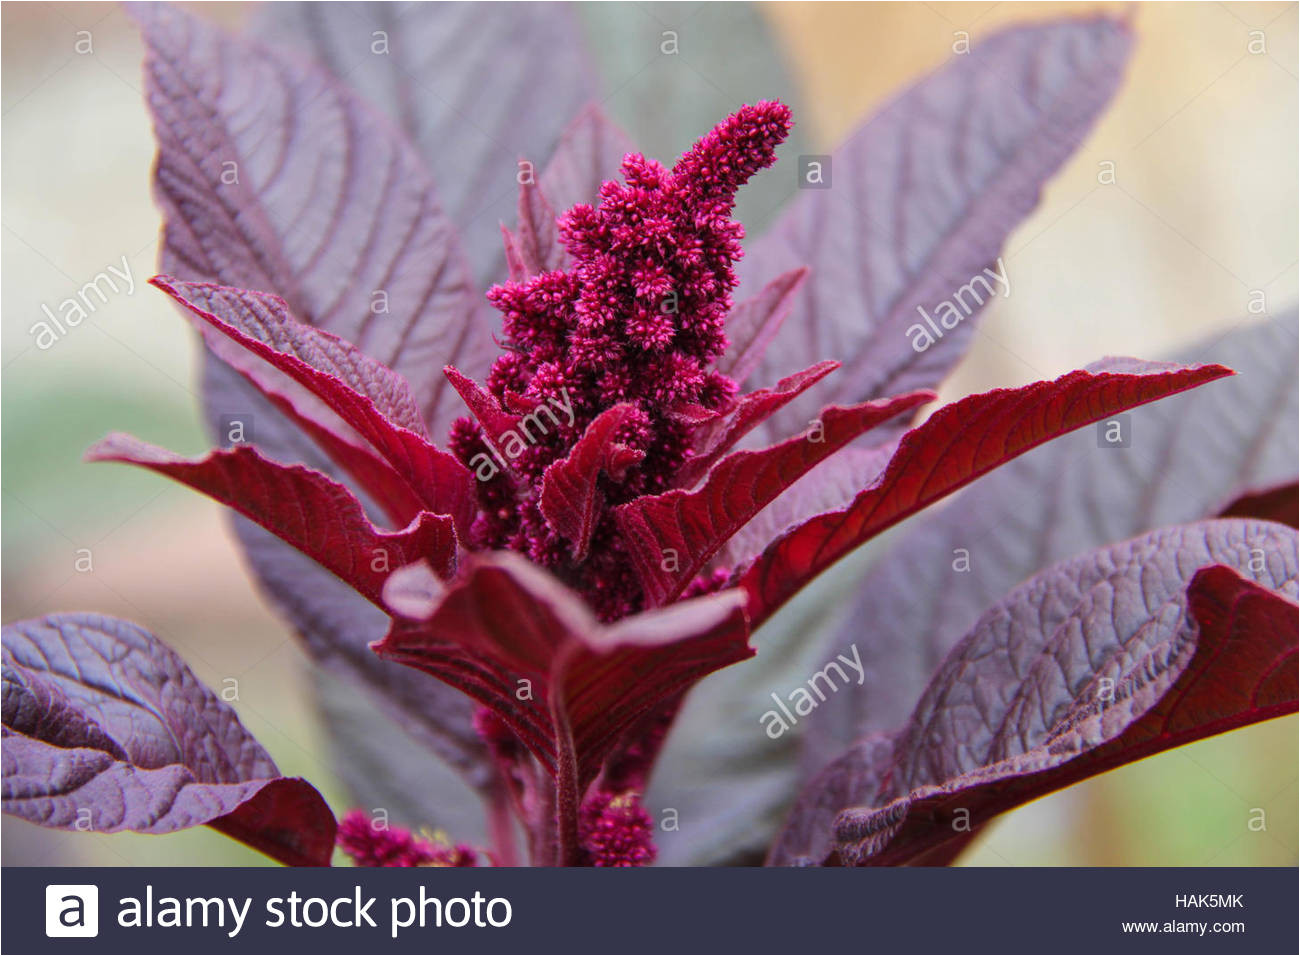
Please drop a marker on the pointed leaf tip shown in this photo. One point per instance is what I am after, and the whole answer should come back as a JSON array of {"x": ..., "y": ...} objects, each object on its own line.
[{"x": 102, "y": 718}]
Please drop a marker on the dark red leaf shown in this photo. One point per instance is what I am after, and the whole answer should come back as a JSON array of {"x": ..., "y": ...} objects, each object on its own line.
[
  {"x": 513, "y": 637},
  {"x": 106, "y": 729},
  {"x": 956, "y": 445},
  {"x": 300, "y": 506},
  {"x": 1099, "y": 661},
  {"x": 571, "y": 499},
  {"x": 370, "y": 398},
  {"x": 831, "y": 485},
  {"x": 287, "y": 820},
  {"x": 672, "y": 536},
  {"x": 359, "y": 388},
  {"x": 372, "y": 474},
  {"x": 1280, "y": 503},
  {"x": 495, "y": 420},
  {"x": 719, "y": 434}
]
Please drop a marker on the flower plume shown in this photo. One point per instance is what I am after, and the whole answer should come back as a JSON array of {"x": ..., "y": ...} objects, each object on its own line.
[{"x": 638, "y": 319}]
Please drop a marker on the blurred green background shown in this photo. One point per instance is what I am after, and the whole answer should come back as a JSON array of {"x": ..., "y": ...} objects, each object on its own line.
[{"x": 1203, "y": 135}]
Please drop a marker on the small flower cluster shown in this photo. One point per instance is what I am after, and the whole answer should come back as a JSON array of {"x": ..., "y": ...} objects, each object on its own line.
[
  {"x": 638, "y": 318},
  {"x": 369, "y": 845},
  {"x": 616, "y": 830}
]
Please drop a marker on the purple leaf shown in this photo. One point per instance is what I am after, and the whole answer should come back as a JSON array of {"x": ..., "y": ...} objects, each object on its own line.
[
  {"x": 1188, "y": 455},
  {"x": 922, "y": 198},
  {"x": 476, "y": 87},
  {"x": 106, "y": 729},
  {"x": 536, "y": 238},
  {"x": 957, "y": 444},
  {"x": 331, "y": 207},
  {"x": 753, "y": 323},
  {"x": 589, "y": 152},
  {"x": 1095, "y": 662},
  {"x": 273, "y": 177},
  {"x": 515, "y": 267}
]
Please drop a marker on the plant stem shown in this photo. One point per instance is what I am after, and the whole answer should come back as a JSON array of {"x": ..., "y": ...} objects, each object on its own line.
[{"x": 567, "y": 797}]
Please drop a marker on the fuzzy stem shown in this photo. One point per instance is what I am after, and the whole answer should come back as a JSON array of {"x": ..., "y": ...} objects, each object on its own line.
[{"x": 567, "y": 797}]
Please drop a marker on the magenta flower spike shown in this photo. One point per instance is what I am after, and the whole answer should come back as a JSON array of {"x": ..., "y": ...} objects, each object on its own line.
[{"x": 627, "y": 337}]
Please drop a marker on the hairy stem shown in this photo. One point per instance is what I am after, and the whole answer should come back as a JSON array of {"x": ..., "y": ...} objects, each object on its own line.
[{"x": 568, "y": 848}]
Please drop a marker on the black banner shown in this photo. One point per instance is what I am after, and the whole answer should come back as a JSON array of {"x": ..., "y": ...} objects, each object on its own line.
[{"x": 156, "y": 910}]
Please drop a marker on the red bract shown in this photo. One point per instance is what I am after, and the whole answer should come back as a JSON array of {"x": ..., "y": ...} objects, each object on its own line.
[{"x": 601, "y": 451}]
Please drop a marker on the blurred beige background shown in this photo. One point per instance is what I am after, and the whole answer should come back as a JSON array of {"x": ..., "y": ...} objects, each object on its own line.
[{"x": 1203, "y": 138}]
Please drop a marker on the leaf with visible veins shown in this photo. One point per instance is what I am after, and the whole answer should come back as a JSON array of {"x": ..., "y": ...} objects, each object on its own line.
[
  {"x": 301, "y": 507},
  {"x": 1101, "y": 660},
  {"x": 371, "y": 399},
  {"x": 921, "y": 199},
  {"x": 693, "y": 525},
  {"x": 718, "y": 434},
  {"x": 503, "y": 619},
  {"x": 956, "y": 445},
  {"x": 570, "y": 498},
  {"x": 1190, "y": 454},
  {"x": 488, "y": 78},
  {"x": 272, "y": 176},
  {"x": 101, "y": 718}
]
